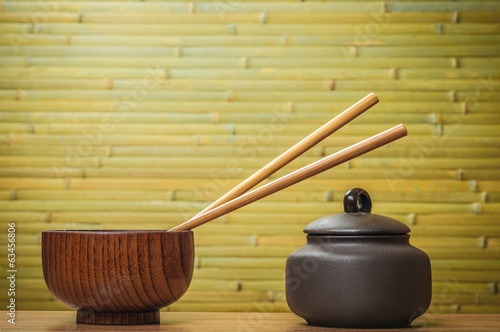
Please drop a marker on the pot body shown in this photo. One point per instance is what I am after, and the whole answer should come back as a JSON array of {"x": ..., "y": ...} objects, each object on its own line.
[{"x": 358, "y": 281}]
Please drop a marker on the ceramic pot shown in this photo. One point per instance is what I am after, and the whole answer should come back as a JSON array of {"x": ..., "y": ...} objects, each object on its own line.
[{"x": 358, "y": 270}]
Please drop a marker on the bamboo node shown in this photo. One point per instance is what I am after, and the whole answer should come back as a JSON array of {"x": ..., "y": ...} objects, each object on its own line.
[
  {"x": 230, "y": 95},
  {"x": 254, "y": 240},
  {"x": 232, "y": 129},
  {"x": 97, "y": 161},
  {"x": 439, "y": 28},
  {"x": 347, "y": 165},
  {"x": 48, "y": 217},
  {"x": 460, "y": 174},
  {"x": 329, "y": 195},
  {"x": 320, "y": 151},
  {"x": 215, "y": 117},
  {"x": 454, "y": 62},
  {"x": 239, "y": 286},
  {"x": 197, "y": 262},
  {"x": 481, "y": 242},
  {"x": 477, "y": 299},
  {"x": 110, "y": 84},
  {"x": 456, "y": 17},
  {"x": 244, "y": 63},
  {"x": 473, "y": 185},
  {"x": 177, "y": 51},
  {"x": 438, "y": 129},
  {"x": 232, "y": 29},
  {"x": 494, "y": 288},
  {"x": 108, "y": 151},
  {"x": 13, "y": 195},
  {"x": 465, "y": 108},
  {"x": 289, "y": 107},
  {"x": 286, "y": 40},
  {"x": 353, "y": 51},
  {"x": 171, "y": 195},
  {"x": 485, "y": 197},
  {"x": 436, "y": 118},
  {"x": 394, "y": 73},
  {"x": 263, "y": 18},
  {"x": 477, "y": 208},
  {"x": 19, "y": 94},
  {"x": 192, "y": 8},
  {"x": 31, "y": 128},
  {"x": 271, "y": 295},
  {"x": 331, "y": 85},
  {"x": 80, "y": 17},
  {"x": 68, "y": 183},
  {"x": 411, "y": 218},
  {"x": 452, "y": 96},
  {"x": 198, "y": 140},
  {"x": 68, "y": 39}
]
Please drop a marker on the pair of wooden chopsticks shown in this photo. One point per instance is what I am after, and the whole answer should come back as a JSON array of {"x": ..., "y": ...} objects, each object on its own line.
[{"x": 237, "y": 198}]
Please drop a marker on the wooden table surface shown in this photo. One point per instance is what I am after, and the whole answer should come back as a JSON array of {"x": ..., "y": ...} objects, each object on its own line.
[{"x": 238, "y": 322}]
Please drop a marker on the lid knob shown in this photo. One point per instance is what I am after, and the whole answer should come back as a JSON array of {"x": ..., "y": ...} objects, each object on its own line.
[{"x": 357, "y": 200}]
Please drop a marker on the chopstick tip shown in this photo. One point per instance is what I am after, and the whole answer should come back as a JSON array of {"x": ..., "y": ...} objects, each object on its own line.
[
  {"x": 404, "y": 130},
  {"x": 373, "y": 96}
]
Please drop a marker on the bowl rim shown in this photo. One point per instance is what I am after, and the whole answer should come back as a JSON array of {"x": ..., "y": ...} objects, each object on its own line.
[{"x": 114, "y": 231}]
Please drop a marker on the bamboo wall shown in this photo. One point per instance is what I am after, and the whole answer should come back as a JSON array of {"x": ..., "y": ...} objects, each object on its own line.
[{"x": 136, "y": 114}]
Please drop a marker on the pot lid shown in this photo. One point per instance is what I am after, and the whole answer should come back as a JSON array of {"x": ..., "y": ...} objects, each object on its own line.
[{"x": 357, "y": 219}]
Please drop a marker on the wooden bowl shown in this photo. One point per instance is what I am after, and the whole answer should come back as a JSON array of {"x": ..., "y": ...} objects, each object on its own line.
[{"x": 118, "y": 276}]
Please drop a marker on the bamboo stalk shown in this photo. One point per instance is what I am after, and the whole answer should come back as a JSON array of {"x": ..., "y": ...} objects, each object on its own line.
[
  {"x": 167, "y": 29},
  {"x": 336, "y": 18},
  {"x": 23, "y": 17},
  {"x": 252, "y": 40},
  {"x": 185, "y": 18},
  {"x": 317, "y": 136},
  {"x": 297, "y": 176},
  {"x": 222, "y": 62}
]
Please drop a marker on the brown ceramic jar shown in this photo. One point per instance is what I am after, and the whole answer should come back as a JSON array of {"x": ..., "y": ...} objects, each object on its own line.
[{"x": 358, "y": 270}]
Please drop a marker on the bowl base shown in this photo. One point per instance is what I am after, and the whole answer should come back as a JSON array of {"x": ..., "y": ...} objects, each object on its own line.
[{"x": 118, "y": 318}]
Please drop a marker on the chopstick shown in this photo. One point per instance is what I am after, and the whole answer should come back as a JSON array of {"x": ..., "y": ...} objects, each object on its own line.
[
  {"x": 314, "y": 138},
  {"x": 303, "y": 173}
]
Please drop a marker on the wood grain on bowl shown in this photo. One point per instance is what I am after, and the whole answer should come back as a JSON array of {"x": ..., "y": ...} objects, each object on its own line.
[{"x": 117, "y": 277}]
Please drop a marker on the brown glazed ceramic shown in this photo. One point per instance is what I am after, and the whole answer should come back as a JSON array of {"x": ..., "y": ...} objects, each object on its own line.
[
  {"x": 117, "y": 277},
  {"x": 358, "y": 270}
]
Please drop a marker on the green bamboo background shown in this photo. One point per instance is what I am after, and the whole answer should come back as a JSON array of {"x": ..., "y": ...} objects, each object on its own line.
[{"x": 136, "y": 114}]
